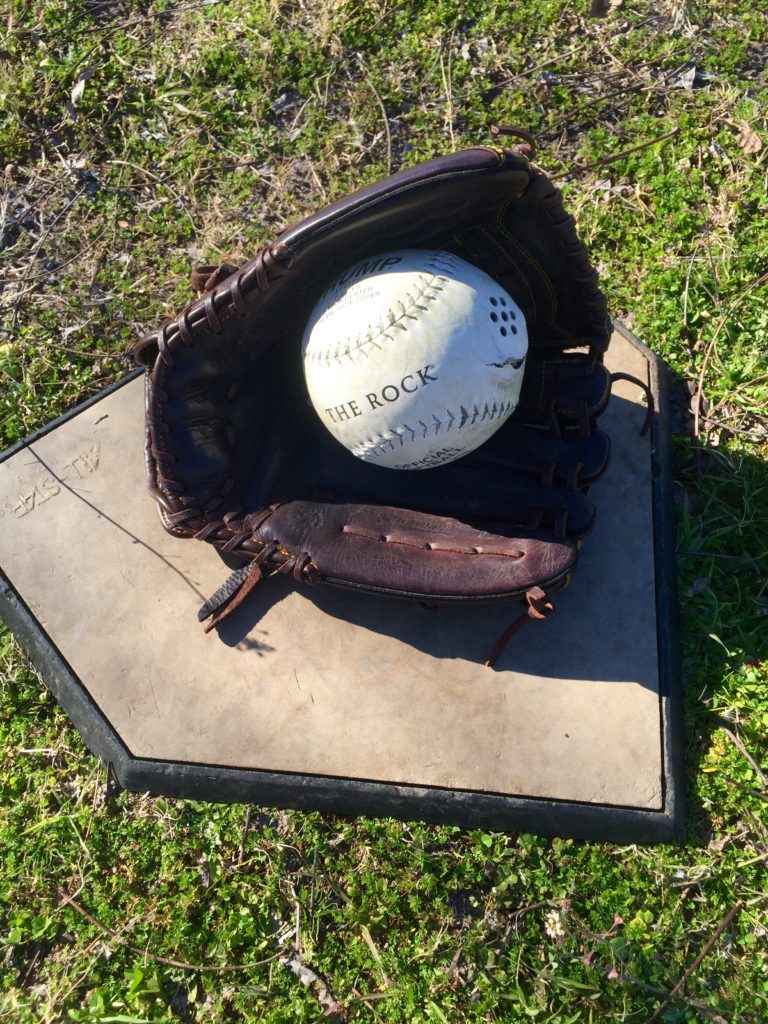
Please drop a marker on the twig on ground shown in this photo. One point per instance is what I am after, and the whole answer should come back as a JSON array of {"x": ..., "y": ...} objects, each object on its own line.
[
  {"x": 628, "y": 979},
  {"x": 735, "y": 909},
  {"x": 531, "y": 906},
  {"x": 312, "y": 885},
  {"x": 537, "y": 67},
  {"x": 164, "y": 183},
  {"x": 315, "y": 984},
  {"x": 373, "y": 997},
  {"x": 29, "y": 278},
  {"x": 619, "y": 156},
  {"x": 448, "y": 89},
  {"x": 745, "y": 789},
  {"x": 715, "y": 281},
  {"x": 718, "y": 424},
  {"x": 739, "y": 744},
  {"x": 116, "y": 937},
  {"x": 622, "y": 91},
  {"x": 761, "y": 378}
]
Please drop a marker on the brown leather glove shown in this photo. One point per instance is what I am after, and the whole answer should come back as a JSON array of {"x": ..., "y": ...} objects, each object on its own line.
[{"x": 236, "y": 455}]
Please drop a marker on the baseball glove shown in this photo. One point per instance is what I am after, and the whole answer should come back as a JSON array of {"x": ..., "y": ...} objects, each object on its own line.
[{"x": 236, "y": 456}]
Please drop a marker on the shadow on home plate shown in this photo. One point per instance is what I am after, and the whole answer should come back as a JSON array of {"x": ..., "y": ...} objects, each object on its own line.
[{"x": 604, "y": 624}]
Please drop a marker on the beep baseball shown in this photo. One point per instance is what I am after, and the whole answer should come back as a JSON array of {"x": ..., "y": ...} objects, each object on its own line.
[{"x": 414, "y": 358}]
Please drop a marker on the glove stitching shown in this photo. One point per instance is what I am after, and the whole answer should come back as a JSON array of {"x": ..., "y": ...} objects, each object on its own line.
[
  {"x": 583, "y": 270},
  {"x": 169, "y": 526},
  {"x": 471, "y": 247},
  {"x": 579, "y": 256},
  {"x": 370, "y": 203},
  {"x": 542, "y": 273},
  {"x": 383, "y": 539},
  {"x": 275, "y": 259},
  {"x": 299, "y": 563}
]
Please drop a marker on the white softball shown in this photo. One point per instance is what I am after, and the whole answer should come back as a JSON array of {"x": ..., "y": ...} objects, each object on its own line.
[{"x": 414, "y": 358}]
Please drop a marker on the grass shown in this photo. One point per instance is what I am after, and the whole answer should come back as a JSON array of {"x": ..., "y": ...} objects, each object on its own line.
[{"x": 139, "y": 138}]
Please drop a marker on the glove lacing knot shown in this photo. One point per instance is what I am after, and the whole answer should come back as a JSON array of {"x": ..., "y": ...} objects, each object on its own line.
[
  {"x": 648, "y": 398},
  {"x": 539, "y": 607}
]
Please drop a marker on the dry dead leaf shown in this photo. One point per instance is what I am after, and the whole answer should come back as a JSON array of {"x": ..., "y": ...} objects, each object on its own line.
[
  {"x": 79, "y": 87},
  {"x": 77, "y": 91},
  {"x": 749, "y": 141}
]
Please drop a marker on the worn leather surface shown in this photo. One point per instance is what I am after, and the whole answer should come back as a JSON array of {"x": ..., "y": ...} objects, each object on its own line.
[
  {"x": 481, "y": 564},
  {"x": 230, "y": 431}
]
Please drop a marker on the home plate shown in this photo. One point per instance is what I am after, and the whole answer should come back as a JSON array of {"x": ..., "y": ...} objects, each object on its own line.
[{"x": 320, "y": 699}]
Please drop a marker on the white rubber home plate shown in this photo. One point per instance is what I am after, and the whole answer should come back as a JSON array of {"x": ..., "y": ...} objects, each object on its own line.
[{"x": 316, "y": 683}]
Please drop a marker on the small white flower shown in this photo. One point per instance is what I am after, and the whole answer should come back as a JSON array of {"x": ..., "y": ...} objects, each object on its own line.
[{"x": 553, "y": 925}]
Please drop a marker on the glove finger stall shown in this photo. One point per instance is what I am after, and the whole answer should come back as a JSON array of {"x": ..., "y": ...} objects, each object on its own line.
[{"x": 415, "y": 555}]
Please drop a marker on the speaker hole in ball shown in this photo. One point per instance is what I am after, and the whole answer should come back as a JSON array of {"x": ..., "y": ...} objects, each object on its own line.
[
  {"x": 505, "y": 317},
  {"x": 513, "y": 329},
  {"x": 503, "y": 301},
  {"x": 503, "y": 332},
  {"x": 494, "y": 302},
  {"x": 495, "y": 317}
]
